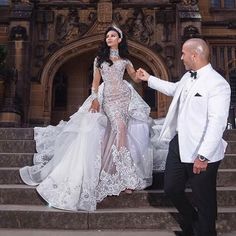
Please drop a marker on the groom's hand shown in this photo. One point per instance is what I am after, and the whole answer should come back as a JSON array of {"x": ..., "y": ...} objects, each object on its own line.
[
  {"x": 199, "y": 166},
  {"x": 142, "y": 74}
]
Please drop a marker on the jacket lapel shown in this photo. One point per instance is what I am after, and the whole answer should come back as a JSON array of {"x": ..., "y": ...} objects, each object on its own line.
[{"x": 170, "y": 124}]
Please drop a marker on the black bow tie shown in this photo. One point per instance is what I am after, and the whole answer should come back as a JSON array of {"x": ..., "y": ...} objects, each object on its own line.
[{"x": 193, "y": 74}]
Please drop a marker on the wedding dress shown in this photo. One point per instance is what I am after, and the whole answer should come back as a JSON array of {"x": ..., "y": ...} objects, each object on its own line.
[{"x": 93, "y": 155}]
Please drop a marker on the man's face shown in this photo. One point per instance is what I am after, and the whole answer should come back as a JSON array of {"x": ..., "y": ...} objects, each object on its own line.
[{"x": 188, "y": 57}]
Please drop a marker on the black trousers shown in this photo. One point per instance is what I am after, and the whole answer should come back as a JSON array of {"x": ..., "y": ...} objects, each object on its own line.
[{"x": 200, "y": 218}]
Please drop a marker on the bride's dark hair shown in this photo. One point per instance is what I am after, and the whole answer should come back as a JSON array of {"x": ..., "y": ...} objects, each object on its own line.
[{"x": 104, "y": 50}]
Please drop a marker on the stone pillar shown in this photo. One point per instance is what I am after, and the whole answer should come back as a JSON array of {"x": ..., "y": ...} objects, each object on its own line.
[
  {"x": 10, "y": 114},
  {"x": 17, "y": 88}
]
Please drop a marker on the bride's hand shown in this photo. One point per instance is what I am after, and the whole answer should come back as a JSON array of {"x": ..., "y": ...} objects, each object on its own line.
[
  {"x": 142, "y": 74},
  {"x": 95, "y": 106}
]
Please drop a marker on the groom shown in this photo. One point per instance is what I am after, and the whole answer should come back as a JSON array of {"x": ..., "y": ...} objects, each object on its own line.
[{"x": 195, "y": 123}]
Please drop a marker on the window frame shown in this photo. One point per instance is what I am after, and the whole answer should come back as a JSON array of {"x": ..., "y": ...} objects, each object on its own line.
[{"x": 222, "y": 6}]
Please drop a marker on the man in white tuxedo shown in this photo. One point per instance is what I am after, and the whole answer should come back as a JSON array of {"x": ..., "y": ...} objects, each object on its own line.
[{"x": 194, "y": 125}]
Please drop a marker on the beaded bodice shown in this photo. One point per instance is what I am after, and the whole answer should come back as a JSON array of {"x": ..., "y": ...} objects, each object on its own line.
[{"x": 116, "y": 93}]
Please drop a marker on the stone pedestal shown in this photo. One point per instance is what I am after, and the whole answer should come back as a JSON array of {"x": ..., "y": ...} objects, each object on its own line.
[{"x": 10, "y": 119}]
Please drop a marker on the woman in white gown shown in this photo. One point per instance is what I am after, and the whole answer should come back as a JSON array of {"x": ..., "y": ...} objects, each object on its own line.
[{"x": 104, "y": 148}]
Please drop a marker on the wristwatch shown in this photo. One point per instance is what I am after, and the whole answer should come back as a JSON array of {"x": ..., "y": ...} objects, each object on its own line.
[{"x": 202, "y": 158}]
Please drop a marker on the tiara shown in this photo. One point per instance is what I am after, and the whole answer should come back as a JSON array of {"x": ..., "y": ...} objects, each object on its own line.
[{"x": 119, "y": 30}]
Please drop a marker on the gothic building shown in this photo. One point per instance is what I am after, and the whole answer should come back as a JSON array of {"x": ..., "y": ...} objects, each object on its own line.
[{"x": 47, "y": 49}]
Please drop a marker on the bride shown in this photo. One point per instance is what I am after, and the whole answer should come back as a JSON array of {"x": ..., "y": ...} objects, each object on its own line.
[{"x": 104, "y": 148}]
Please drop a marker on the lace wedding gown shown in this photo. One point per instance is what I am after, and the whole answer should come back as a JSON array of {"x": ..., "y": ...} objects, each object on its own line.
[{"x": 93, "y": 155}]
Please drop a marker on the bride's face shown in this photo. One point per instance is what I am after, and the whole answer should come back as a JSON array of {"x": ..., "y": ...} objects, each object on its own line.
[{"x": 112, "y": 39}]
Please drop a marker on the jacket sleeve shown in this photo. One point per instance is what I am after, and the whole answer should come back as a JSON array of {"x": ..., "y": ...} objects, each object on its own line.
[
  {"x": 168, "y": 88},
  {"x": 218, "y": 108}
]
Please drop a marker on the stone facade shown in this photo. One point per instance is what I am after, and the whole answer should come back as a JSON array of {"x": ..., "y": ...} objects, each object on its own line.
[{"x": 51, "y": 46}]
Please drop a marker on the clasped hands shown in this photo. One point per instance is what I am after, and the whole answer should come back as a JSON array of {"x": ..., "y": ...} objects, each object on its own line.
[{"x": 141, "y": 74}]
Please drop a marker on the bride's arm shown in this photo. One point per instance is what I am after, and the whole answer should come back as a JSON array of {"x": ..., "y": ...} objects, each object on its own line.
[
  {"x": 95, "y": 106},
  {"x": 132, "y": 73}
]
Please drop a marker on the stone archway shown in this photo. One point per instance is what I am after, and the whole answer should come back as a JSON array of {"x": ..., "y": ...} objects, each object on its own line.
[{"x": 148, "y": 57}]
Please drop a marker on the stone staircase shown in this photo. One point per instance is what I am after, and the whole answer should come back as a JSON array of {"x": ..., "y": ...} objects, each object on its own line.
[{"x": 21, "y": 207}]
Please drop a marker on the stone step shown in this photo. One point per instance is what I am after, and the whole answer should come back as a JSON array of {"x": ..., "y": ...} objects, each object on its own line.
[
  {"x": 28, "y": 134},
  {"x": 26, "y": 159},
  {"x": 16, "y": 133},
  {"x": 27, "y": 195},
  {"x": 16, "y": 159},
  {"x": 17, "y": 146},
  {"x": 21, "y": 141},
  {"x": 231, "y": 148},
  {"x": 42, "y": 217},
  {"x": 20, "y": 152},
  {"x": 230, "y": 134},
  {"x": 228, "y": 162},
  {"x": 226, "y": 177},
  {"x": 109, "y": 232},
  {"x": 53, "y": 232}
]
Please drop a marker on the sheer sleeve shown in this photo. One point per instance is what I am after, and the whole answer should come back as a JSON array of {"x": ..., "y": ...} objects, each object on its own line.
[
  {"x": 129, "y": 65},
  {"x": 96, "y": 79},
  {"x": 95, "y": 67}
]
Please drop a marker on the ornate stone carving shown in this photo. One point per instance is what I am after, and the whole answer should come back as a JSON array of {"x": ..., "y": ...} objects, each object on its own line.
[
  {"x": 44, "y": 18},
  {"x": 157, "y": 47},
  {"x": 139, "y": 27},
  {"x": 166, "y": 18},
  {"x": 104, "y": 12},
  {"x": 170, "y": 55},
  {"x": 18, "y": 33},
  {"x": 232, "y": 24},
  {"x": 21, "y": 10},
  {"x": 189, "y": 2},
  {"x": 53, "y": 47},
  {"x": 39, "y": 51},
  {"x": 69, "y": 27},
  {"x": 190, "y": 32}
]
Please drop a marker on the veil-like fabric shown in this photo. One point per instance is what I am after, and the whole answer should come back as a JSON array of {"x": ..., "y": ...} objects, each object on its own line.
[{"x": 68, "y": 166}]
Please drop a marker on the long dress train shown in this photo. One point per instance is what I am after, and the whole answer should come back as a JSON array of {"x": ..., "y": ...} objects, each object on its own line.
[{"x": 93, "y": 155}]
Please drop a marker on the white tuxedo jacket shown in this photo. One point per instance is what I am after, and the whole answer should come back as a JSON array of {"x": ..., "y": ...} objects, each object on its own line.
[{"x": 203, "y": 117}]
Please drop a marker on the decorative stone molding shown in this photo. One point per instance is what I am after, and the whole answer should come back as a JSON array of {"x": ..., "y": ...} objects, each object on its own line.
[
  {"x": 189, "y": 2},
  {"x": 69, "y": 27},
  {"x": 18, "y": 33},
  {"x": 190, "y": 32},
  {"x": 150, "y": 58},
  {"x": 21, "y": 10},
  {"x": 104, "y": 11},
  {"x": 138, "y": 27}
]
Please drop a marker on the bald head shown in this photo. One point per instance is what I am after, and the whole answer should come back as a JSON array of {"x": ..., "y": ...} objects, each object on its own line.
[
  {"x": 199, "y": 46},
  {"x": 195, "y": 54}
]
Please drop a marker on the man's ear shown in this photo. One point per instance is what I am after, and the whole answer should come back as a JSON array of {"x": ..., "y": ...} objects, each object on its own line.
[{"x": 119, "y": 40}]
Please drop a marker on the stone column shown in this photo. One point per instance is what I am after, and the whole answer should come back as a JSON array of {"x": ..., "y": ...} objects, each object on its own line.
[{"x": 17, "y": 88}]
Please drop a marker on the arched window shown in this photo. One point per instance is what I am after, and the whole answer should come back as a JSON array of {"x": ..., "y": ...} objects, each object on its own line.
[
  {"x": 227, "y": 4},
  {"x": 4, "y": 2},
  {"x": 215, "y": 3}
]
